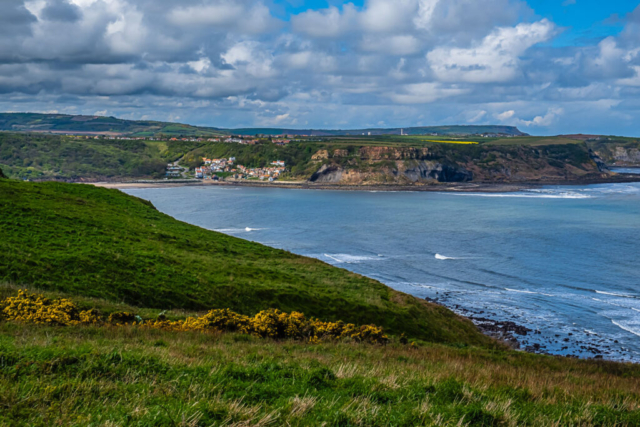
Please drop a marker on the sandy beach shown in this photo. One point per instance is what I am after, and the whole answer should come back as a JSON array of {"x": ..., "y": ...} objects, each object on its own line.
[{"x": 479, "y": 187}]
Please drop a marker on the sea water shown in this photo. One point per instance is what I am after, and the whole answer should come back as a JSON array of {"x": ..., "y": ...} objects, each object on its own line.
[{"x": 559, "y": 260}]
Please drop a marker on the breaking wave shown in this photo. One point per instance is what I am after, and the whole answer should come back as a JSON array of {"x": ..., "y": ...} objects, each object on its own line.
[
  {"x": 237, "y": 230},
  {"x": 626, "y": 328}
]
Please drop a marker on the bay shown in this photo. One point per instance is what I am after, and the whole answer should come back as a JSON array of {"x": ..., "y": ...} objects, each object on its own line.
[{"x": 559, "y": 260}]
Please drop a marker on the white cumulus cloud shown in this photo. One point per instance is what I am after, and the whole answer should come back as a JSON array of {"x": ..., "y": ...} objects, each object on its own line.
[{"x": 495, "y": 59}]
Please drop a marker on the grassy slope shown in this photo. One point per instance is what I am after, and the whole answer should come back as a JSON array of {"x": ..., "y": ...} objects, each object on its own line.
[
  {"x": 127, "y": 376},
  {"x": 63, "y": 122},
  {"x": 69, "y": 123},
  {"x": 102, "y": 243},
  {"x": 534, "y": 141},
  {"x": 39, "y": 156},
  {"x": 36, "y": 156}
]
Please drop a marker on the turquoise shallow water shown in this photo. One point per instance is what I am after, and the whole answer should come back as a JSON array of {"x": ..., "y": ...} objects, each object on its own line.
[{"x": 561, "y": 260}]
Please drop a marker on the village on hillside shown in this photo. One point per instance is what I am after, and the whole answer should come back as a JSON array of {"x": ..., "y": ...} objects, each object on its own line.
[{"x": 215, "y": 168}]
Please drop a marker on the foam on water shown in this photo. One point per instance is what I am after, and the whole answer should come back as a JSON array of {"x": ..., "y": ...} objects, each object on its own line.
[
  {"x": 531, "y": 194},
  {"x": 522, "y": 291},
  {"x": 351, "y": 259},
  {"x": 237, "y": 230},
  {"x": 615, "y": 294}
]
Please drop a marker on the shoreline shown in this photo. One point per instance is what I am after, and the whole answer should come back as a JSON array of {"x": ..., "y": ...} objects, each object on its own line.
[
  {"x": 519, "y": 337},
  {"x": 451, "y": 187}
]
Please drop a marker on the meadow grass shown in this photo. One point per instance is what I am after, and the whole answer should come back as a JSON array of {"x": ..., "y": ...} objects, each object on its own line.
[{"x": 107, "y": 376}]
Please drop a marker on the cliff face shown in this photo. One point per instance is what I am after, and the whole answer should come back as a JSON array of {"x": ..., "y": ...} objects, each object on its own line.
[
  {"x": 443, "y": 163},
  {"x": 619, "y": 155}
]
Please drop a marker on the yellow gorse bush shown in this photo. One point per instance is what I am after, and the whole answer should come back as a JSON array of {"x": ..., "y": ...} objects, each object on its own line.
[
  {"x": 272, "y": 323},
  {"x": 34, "y": 308}
]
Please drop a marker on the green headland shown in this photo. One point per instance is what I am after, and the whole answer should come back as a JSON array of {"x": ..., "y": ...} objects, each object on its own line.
[{"x": 90, "y": 149}]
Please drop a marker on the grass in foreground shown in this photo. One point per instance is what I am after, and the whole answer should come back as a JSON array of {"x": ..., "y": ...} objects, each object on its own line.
[
  {"x": 115, "y": 374},
  {"x": 95, "y": 242},
  {"x": 105, "y": 376}
]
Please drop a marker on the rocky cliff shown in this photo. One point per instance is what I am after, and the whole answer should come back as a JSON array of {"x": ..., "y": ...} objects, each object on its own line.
[
  {"x": 448, "y": 163},
  {"x": 618, "y": 153}
]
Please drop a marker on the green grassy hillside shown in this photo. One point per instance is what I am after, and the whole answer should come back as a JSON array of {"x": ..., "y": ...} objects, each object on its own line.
[
  {"x": 102, "y": 243},
  {"x": 102, "y": 124},
  {"x": 98, "y": 124},
  {"x": 36, "y": 156},
  {"x": 100, "y": 376},
  {"x": 42, "y": 157}
]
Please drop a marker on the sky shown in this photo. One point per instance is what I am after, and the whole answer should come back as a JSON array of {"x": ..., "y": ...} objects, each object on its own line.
[{"x": 546, "y": 66}]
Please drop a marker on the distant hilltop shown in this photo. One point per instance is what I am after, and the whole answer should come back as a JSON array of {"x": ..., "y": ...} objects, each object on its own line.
[
  {"x": 489, "y": 130},
  {"x": 101, "y": 125}
]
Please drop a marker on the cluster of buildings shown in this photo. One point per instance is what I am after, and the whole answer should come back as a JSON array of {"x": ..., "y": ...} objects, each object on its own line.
[
  {"x": 175, "y": 171},
  {"x": 193, "y": 139},
  {"x": 252, "y": 140},
  {"x": 213, "y": 166},
  {"x": 237, "y": 139}
]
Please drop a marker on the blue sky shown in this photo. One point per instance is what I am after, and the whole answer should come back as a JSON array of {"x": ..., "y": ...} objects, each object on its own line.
[
  {"x": 548, "y": 67},
  {"x": 586, "y": 20}
]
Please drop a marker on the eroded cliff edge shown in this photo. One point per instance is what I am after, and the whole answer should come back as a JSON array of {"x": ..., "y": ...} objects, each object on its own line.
[{"x": 440, "y": 163}]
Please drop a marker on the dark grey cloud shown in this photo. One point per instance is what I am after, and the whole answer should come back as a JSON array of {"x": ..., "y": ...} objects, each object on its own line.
[
  {"x": 15, "y": 19},
  {"x": 61, "y": 10}
]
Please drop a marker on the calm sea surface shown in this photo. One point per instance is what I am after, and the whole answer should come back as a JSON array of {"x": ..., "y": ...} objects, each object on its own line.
[{"x": 561, "y": 260}]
